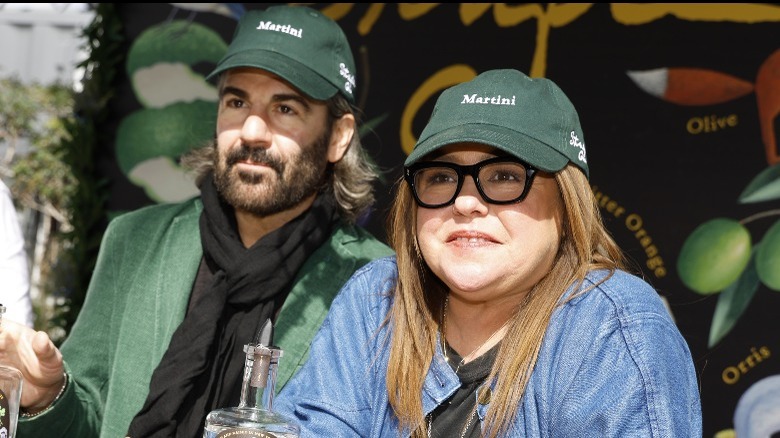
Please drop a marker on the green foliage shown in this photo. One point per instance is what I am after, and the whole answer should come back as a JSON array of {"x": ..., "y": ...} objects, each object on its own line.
[
  {"x": 39, "y": 113},
  {"x": 58, "y": 177},
  {"x": 88, "y": 216},
  {"x": 19, "y": 110},
  {"x": 42, "y": 181}
]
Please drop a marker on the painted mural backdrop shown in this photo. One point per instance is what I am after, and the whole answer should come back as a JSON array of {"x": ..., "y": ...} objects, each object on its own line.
[{"x": 680, "y": 107}]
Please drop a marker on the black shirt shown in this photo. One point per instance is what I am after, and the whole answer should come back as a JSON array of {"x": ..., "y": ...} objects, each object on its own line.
[{"x": 450, "y": 419}]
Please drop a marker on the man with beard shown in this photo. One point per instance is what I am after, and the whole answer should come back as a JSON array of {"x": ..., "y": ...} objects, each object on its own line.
[{"x": 179, "y": 289}]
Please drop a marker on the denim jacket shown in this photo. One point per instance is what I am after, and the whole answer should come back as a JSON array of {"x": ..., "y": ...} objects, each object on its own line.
[
  {"x": 137, "y": 298},
  {"x": 612, "y": 364}
]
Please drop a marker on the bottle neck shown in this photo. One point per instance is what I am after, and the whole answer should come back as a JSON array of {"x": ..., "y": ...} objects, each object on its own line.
[{"x": 259, "y": 384}]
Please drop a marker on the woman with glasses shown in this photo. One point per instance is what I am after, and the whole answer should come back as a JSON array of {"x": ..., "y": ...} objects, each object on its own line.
[{"x": 507, "y": 311}]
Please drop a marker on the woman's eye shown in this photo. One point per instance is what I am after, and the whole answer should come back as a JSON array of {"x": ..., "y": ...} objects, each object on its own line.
[
  {"x": 503, "y": 173},
  {"x": 504, "y": 176},
  {"x": 439, "y": 177}
]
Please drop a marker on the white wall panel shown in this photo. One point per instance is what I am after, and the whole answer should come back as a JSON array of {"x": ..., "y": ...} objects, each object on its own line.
[{"x": 41, "y": 46}]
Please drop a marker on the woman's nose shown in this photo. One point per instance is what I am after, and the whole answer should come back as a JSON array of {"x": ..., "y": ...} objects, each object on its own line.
[{"x": 469, "y": 201}]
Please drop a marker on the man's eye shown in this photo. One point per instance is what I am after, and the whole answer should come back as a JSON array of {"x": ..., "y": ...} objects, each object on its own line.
[
  {"x": 235, "y": 103},
  {"x": 287, "y": 109}
]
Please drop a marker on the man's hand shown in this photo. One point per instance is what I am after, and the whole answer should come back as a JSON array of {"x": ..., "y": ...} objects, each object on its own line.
[{"x": 34, "y": 354}]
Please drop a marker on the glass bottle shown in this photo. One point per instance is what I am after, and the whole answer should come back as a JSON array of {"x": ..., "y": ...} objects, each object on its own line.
[
  {"x": 10, "y": 395},
  {"x": 254, "y": 416}
]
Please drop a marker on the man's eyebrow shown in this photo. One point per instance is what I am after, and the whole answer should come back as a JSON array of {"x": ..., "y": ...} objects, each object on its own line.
[
  {"x": 233, "y": 90},
  {"x": 295, "y": 97},
  {"x": 242, "y": 94}
]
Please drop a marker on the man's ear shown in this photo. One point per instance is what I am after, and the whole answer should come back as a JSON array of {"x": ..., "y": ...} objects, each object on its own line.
[{"x": 341, "y": 137}]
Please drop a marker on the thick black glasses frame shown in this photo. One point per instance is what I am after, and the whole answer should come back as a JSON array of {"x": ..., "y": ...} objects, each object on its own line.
[{"x": 462, "y": 171}]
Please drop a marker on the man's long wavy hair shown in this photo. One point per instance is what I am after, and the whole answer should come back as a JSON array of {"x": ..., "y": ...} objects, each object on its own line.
[
  {"x": 350, "y": 180},
  {"x": 419, "y": 297}
]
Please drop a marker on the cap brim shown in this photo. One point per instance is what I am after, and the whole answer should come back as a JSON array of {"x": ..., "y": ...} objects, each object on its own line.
[
  {"x": 292, "y": 71},
  {"x": 528, "y": 149}
]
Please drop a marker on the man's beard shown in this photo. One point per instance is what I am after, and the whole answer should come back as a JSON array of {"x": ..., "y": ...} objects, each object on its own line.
[{"x": 262, "y": 194}]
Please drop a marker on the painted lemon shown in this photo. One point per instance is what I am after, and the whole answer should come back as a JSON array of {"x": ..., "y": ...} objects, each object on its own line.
[{"x": 714, "y": 255}]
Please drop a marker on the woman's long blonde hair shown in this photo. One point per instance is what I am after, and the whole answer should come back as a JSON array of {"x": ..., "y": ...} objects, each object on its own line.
[{"x": 419, "y": 296}]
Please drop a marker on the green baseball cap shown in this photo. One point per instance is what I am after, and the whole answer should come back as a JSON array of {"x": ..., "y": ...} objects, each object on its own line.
[
  {"x": 531, "y": 119},
  {"x": 297, "y": 43}
]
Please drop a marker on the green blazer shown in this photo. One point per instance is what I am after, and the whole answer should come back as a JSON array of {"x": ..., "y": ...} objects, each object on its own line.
[{"x": 137, "y": 297}]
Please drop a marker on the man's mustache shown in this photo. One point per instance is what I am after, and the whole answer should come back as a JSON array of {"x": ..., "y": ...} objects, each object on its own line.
[{"x": 257, "y": 155}]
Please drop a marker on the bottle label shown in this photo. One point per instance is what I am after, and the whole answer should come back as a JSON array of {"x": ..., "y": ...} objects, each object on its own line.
[
  {"x": 245, "y": 433},
  {"x": 5, "y": 414}
]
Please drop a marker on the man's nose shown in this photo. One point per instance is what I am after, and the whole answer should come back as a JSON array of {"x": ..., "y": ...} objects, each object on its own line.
[{"x": 255, "y": 131}]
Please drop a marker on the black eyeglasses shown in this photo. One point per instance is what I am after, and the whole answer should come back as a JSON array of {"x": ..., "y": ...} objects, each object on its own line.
[{"x": 499, "y": 180}]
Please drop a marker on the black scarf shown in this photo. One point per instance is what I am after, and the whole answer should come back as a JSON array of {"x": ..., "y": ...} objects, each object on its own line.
[{"x": 197, "y": 374}]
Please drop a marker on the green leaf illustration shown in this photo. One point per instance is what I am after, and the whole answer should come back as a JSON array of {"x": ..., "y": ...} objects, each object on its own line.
[
  {"x": 168, "y": 132},
  {"x": 372, "y": 124},
  {"x": 764, "y": 187},
  {"x": 733, "y": 301},
  {"x": 178, "y": 41},
  {"x": 768, "y": 258}
]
